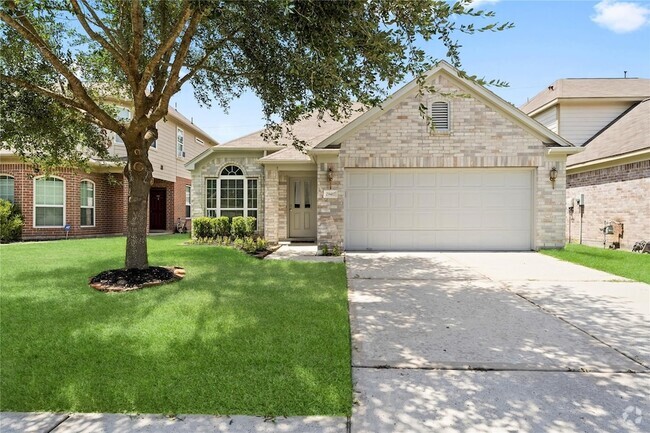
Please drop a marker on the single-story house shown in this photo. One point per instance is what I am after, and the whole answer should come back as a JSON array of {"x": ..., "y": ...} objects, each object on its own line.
[
  {"x": 475, "y": 173},
  {"x": 610, "y": 119}
]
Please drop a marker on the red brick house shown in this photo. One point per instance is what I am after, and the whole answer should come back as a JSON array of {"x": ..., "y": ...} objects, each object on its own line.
[{"x": 94, "y": 203}]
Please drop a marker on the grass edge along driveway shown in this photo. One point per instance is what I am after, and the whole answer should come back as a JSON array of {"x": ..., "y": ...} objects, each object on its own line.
[
  {"x": 237, "y": 336},
  {"x": 625, "y": 264}
]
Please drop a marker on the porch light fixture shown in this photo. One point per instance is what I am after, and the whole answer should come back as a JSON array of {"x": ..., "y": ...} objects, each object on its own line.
[
  {"x": 553, "y": 176},
  {"x": 330, "y": 175}
]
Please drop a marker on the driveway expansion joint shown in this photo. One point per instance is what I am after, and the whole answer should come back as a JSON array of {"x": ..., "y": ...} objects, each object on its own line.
[
  {"x": 67, "y": 417},
  {"x": 645, "y": 367}
]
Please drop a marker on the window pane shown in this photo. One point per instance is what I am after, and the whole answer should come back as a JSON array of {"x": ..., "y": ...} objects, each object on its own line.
[
  {"x": 188, "y": 211},
  {"x": 232, "y": 213},
  {"x": 7, "y": 188},
  {"x": 296, "y": 194},
  {"x": 87, "y": 194},
  {"x": 48, "y": 192},
  {"x": 307, "y": 194},
  {"x": 87, "y": 217},
  {"x": 49, "y": 216}
]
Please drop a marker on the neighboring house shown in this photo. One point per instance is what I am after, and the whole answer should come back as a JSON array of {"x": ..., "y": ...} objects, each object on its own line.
[
  {"x": 474, "y": 175},
  {"x": 95, "y": 203},
  {"x": 610, "y": 118}
]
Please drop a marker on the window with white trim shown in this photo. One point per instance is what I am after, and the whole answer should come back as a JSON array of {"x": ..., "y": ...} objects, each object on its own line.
[
  {"x": 7, "y": 187},
  {"x": 180, "y": 143},
  {"x": 232, "y": 194},
  {"x": 188, "y": 201},
  {"x": 123, "y": 115},
  {"x": 49, "y": 202},
  {"x": 87, "y": 203},
  {"x": 439, "y": 115}
]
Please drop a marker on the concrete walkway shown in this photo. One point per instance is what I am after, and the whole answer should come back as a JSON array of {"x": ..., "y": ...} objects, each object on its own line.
[
  {"x": 302, "y": 253},
  {"x": 493, "y": 342},
  {"x": 118, "y": 423}
]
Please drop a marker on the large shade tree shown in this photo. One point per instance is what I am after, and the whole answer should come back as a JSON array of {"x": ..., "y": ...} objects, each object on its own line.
[{"x": 62, "y": 63}]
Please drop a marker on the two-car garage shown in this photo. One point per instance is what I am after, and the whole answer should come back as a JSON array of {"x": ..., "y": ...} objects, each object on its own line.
[{"x": 438, "y": 209}]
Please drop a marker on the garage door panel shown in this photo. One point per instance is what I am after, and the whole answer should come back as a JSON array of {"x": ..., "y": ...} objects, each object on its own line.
[
  {"x": 447, "y": 199},
  {"x": 401, "y": 220},
  {"x": 379, "y": 221},
  {"x": 357, "y": 180},
  {"x": 402, "y": 180},
  {"x": 438, "y": 209},
  {"x": 358, "y": 199},
  {"x": 358, "y": 219},
  {"x": 425, "y": 199},
  {"x": 379, "y": 200},
  {"x": 380, "y": 180}
]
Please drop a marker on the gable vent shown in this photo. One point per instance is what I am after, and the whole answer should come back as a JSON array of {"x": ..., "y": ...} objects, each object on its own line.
[{"x": 439, "y": 114}]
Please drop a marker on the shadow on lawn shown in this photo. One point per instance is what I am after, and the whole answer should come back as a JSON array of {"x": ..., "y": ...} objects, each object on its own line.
[{"x": 228, "y": 339}]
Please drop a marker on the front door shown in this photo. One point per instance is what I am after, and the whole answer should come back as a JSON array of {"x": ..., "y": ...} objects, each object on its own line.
[
  {"x": 157, "y": 208},
  {"x": 302, "y": 207}
]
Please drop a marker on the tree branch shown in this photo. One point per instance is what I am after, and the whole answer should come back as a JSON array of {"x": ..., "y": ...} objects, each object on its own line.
[
  {"x": 25, "y": 28},
  {"x": 167, "y": 45}
]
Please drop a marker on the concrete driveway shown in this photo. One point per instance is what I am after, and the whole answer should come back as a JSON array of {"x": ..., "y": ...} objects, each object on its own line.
[{"x": 479, "y": 342}]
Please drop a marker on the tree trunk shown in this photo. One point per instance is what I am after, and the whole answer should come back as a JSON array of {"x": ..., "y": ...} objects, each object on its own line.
[{"x": 139, "y": 173}]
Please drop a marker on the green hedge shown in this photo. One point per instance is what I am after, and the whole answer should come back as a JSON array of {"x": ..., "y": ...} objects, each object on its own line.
[{"x": 207, "y": 229}]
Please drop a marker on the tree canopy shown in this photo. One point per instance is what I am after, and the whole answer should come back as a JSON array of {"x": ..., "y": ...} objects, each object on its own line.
[{"x": 68, "y": 60}]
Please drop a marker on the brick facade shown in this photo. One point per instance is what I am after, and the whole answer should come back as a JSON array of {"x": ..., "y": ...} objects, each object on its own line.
[
  {"x": 211, "y": 168},
  {"x": 110, "y": 202},
  {"x": 479, "y": 137},
  {"x": 618, "y": 194}
]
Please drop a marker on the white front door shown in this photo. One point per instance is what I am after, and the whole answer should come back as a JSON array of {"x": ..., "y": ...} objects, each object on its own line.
[{"x": 302, "y": 207}]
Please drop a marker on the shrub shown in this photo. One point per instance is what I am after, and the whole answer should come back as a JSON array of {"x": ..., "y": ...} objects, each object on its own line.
[
  {"x": 250, "y": 225},
  {"x": 250, "y": 246},
  {"x": 262, "y": 244},
  {"x": 239, "y": 243},
  {"x": 11, "y": 222},
  {"x": 325, "y": 251},
  {"x": 222, "y": 226},
  {"x": 238, "y": 227},
  {"x": 336, "y": 251},
  {"x": 202, "y": 228}
]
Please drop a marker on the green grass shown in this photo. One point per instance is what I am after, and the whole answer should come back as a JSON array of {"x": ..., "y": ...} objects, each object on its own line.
[
  {"x": 626, "y": 264},
  {"x": 237, "y": 336}
]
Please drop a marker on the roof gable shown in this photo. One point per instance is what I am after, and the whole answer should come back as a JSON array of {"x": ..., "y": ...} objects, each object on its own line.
[{"x": 475, "y": 90}]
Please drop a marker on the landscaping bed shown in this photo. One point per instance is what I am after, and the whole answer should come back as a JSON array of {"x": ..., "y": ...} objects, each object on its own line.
[{"x": 237, "y": 335}]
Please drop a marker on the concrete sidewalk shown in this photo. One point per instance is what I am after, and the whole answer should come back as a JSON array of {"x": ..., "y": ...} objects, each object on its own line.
[
  {"x": 13, "y": 422},
  {"x": 494, "y": 342}
]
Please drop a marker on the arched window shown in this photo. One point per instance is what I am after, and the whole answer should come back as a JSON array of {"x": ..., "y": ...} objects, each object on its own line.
[
  {"x": 439, "y": 115},
  {"x": 232, "y": 194},
  {"x": 7, "y": 187},
  {"x": 49, "y": 202},
  {"x": 87, "y": 190}
]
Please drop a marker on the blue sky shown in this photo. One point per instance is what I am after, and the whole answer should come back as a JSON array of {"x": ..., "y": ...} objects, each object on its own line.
[{"x": 551, "y": 40}]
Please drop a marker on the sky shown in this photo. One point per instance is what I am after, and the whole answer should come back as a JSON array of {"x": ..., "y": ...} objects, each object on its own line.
[{"x": 552, "y": 39}]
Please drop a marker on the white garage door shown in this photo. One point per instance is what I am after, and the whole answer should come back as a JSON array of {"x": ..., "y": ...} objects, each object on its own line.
[{"x": 438, "y": 209}]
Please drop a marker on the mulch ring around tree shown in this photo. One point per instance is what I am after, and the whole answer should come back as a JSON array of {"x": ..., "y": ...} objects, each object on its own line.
[{"x": 124, "y": 280}]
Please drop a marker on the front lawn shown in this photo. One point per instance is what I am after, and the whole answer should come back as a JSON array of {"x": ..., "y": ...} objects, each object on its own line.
[
  {"x": 626, "y": 264},
  {"x": 237, "y": 336}
]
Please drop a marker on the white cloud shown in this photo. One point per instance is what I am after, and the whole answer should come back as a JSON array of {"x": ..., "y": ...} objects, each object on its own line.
[{"x": 621, "y": 17}]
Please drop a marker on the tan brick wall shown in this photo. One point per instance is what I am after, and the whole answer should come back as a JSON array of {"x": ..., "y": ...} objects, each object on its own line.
[
  {"x": 479, "y": 137},
  {"x": 627, "y": 202},
  {"x": 211, "y": 167}
]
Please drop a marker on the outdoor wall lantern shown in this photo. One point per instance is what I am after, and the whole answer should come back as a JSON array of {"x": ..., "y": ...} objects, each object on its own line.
[
  {"x": 330, "y": 174},
  {"x": 553, "y": 176}
]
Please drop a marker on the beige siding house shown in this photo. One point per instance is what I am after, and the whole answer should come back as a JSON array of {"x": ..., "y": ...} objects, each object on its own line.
[
  {"x": 610, "y": 119},
  {"x": 474, "y": 174}
]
